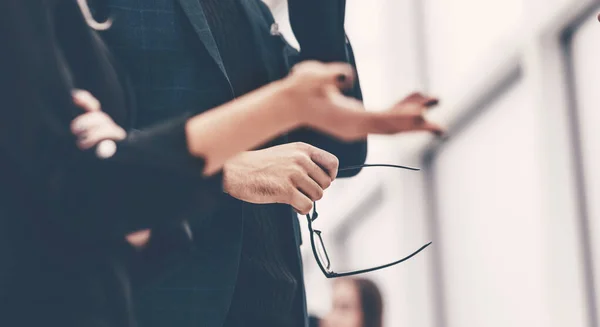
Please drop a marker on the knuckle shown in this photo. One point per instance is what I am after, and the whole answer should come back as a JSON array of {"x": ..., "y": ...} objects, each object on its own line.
[
  {"x": 300, "y": 158},
  {"x": 329, "y": 161},
  {"x": 296, "y": 174},
  {"x": 305, "y": 208},
  {"x": 301, "y": 146},
  {"x": 334, "y": 162}
]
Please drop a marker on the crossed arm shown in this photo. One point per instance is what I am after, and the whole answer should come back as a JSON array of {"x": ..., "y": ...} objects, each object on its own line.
[{"x": 106, "y": 199}]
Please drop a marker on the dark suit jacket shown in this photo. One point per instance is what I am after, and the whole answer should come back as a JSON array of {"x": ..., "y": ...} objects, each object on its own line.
[
  {"x": 64, "y": 213},
  {"x": 173, "y": 60}
]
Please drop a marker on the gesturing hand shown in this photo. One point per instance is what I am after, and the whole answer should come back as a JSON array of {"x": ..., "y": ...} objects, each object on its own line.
[
  {"x": 315, "y": 90},
  {"x": 294, "y": 174},
  {"x": 406, "y": 116}
]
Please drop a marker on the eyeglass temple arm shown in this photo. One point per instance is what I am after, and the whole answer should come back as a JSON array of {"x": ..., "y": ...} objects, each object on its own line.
[
  {"x": 378, "y": 165},
  {"x": 364, "y": 271},
  {"x": 314, "y": 215}
]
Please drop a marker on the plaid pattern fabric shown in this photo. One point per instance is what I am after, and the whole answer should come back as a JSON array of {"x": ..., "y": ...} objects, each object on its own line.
[
  {"x": 171, "y": 70},
  {"x": 171, "y": 57},
  {"x": 175, "y": 68}
]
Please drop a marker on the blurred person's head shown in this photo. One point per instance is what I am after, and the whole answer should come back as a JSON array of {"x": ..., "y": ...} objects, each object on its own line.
[{"x": 356, "y": 302}]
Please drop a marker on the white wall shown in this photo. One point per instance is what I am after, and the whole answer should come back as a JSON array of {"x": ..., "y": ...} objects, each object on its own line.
[
  {"x": 491, "y": 220},
  {"x": 507, "y": 233}
]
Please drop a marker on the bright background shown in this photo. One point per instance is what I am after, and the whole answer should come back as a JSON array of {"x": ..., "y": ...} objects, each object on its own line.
[{"x": 508, "y": 199}]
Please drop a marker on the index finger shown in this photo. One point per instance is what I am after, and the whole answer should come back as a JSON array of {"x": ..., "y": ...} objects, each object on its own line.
[
  {"x": 419, "y": 99},
  {"x": 326, "y": 161}
]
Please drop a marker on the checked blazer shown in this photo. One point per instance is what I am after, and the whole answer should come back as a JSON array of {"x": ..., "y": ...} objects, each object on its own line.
[{"x": 170, "y": 55}]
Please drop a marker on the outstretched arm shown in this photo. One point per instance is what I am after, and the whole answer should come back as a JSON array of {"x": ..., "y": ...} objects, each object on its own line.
[{"x": 319, "y": 28}]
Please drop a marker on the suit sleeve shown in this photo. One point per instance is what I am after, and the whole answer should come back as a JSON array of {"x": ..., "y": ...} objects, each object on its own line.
[
  {"x": 349, "y": 154},
  {"x": 150, "y": 179}
]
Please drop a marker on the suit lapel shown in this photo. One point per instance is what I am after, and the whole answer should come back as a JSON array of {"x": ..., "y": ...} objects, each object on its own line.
[
  {"x": 260, "y": 31},
  {"x": 195, "y": 14}
]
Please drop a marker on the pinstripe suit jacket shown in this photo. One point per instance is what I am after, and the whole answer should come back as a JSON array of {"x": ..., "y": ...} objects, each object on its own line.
[{"x": 172, "y": 59}]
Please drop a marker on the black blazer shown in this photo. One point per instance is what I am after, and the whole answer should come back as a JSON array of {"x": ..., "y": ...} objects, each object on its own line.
[
  {"x": 64, "y": 212},
  {"x": 173, "y": 61}
]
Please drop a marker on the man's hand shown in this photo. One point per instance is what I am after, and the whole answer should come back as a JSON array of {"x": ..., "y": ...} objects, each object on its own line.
[{"x": 294, "y": 174}]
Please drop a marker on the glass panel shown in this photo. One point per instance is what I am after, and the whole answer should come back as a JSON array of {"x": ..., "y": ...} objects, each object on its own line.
[
  {"x": 467, "y": 39},
  {"x": 461, "y": 34},
  {"x": 490, "y": 219},
  {"x": 586, "y": 50}
]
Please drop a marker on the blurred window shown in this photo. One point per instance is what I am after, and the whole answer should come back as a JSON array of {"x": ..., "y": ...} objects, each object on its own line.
[
  {"x": 490, "y": 218},
  {"x": 461, "y": 34},
  {"x": 586, "y": 53}
]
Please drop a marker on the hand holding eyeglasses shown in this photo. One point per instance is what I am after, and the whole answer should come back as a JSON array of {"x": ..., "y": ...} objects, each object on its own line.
[{"x": 318, "y": 246}]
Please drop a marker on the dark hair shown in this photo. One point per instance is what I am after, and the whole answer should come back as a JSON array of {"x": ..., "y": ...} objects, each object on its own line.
[{"x": 371, "y": 302}]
